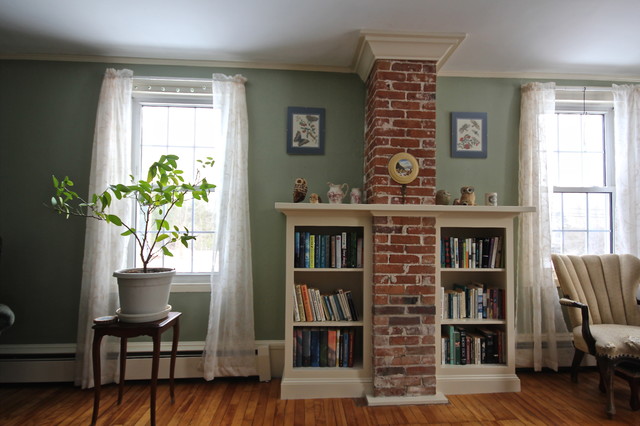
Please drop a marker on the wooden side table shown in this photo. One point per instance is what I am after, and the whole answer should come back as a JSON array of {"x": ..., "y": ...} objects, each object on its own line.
[{"x": 124, "y": 330}]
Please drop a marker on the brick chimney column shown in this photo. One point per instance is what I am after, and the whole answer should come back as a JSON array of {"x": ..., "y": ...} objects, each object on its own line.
[{"x": 400, "y": 117}]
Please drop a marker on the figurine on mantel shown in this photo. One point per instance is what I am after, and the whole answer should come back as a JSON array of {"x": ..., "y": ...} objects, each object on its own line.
[
  {"x": 299, "y": 190},
  {"x": 315, "y": 199},
  {"x": 467, "y": 197},
  {"x": 443, "y": 198}
]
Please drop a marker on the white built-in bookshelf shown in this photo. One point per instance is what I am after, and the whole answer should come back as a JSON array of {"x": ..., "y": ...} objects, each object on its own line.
[
  {"x": 470, "y": 224},
  {"x": 328, "y": 330}
]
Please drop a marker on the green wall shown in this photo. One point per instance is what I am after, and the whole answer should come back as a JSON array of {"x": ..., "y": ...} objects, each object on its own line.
[{"x": 47, "y": 114}]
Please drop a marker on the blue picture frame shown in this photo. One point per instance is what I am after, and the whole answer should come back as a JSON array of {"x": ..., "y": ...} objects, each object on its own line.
[
  {"x": 469, "y": 134},
  {"x": 305, "y": 130}
]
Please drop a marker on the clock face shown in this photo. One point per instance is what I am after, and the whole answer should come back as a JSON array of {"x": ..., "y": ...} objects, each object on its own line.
[{"x": 403, "y": 168}]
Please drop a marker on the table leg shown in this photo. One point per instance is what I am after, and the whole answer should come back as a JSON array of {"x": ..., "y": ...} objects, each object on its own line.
[
  {"x": 123, "y": 367},
  {"x": 154, "y": 375},
  {"x": 97, "y": 338},
  {"x": 174, "y": 352}
]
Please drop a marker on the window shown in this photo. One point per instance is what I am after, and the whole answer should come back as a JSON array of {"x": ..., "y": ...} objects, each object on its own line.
[
  {"x": 580, "y": 172},
  {"x": 168, "y": 121}
]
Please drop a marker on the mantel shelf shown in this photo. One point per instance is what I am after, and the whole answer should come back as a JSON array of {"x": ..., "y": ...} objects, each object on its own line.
[{"x": 413, "y": 210}]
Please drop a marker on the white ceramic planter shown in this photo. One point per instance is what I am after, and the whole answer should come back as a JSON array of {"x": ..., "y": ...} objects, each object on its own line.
[{"x": 144, "y": 296}]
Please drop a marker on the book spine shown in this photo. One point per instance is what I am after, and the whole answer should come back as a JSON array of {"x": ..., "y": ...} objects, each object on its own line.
[
  {"x": 307, "y": 253},
  {"x": 300, "y": 303},
  {"x": 307, "y": 303},
  {"x": 352, "y": 305},
  {"x": 306, "y": 347}
]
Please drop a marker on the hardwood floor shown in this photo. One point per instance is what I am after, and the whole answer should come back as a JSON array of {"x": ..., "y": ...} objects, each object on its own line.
[{"x": 546, "y": 398}]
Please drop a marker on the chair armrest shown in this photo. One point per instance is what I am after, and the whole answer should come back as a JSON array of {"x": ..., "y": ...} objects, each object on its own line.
[{"x": 586, "y": 331}]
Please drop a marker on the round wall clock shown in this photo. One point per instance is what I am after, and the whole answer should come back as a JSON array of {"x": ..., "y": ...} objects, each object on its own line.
[{"x": 403, "y": 168}]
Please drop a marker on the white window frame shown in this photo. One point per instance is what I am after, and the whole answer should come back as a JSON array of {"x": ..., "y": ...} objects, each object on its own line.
[
  {"x": 168, "y": 92},
  {"x": 592, "y": 101}
]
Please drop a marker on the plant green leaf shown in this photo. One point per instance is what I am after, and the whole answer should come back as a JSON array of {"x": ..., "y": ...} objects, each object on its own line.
[{"x": 112, "y": 218}]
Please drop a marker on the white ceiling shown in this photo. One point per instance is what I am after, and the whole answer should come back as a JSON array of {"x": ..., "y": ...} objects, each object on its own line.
[{"x": 573, "y": 38}]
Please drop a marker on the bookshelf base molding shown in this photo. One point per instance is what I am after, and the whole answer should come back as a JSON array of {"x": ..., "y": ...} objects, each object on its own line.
[
  {"x": 438, "y": 398},
  {"x": 297, "y": 388},
  {"x": 478, "y": 383}
]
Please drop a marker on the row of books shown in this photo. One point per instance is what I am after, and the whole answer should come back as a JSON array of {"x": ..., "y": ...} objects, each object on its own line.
[
  {"x": 473, "y": 301},
  {"x": 310, "y": 305},
  {"x": 342, "y": 250},
  {"x": 481, "y": 345},
  {"x": 323, "y": 346},
  {"x": 471, "y": 252}
]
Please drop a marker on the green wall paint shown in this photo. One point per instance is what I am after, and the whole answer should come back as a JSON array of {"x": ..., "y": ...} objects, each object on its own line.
[{"x": 47, "y": 114}]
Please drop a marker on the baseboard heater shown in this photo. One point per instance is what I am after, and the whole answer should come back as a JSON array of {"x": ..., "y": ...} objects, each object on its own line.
[{"x": 59, "y": 366}]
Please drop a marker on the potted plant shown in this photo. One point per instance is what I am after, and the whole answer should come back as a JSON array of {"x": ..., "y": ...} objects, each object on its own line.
[{"x": 143, "y": 292}]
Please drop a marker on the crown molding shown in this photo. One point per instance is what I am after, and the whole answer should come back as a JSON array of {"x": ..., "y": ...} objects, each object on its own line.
[
  {"x": 125, "y": 60},
  {"x": 373, "y": 45},
  {"x": 540, "y": 76}
]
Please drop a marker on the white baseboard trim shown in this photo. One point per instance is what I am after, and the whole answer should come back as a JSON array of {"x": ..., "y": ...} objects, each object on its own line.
[{"x": 56, "y": 362}]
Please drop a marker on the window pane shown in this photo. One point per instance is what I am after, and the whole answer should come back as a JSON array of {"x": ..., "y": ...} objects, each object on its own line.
[
  {"x": 599, "y": 243},
  {"x": 154, "y": 125},
  {"x": 592, "y": 169},
  {"x": 205, "y": 127},
  {"x": 574, "y": 208},
  {"x": 569, "y": 135},
  {"x": 600, "y": 212},
  {"x": 593, "y": 132},
  {"x": 181, "y": 126},
  {"x": 575, "y": 243}
]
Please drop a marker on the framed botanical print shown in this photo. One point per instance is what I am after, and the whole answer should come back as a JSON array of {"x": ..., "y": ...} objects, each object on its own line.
[
  {"x": 305, "y": 130},
  {"x": 469, "y": 134}
]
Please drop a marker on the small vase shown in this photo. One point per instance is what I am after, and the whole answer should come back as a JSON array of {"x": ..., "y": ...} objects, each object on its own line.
[
  {"x": 336, "y": 192},
  {"x": 356, "y": 196}
]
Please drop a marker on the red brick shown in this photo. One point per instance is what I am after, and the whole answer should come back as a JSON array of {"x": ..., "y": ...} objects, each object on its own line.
[
  {"x": 406, "y": 105},
  {"x": 407, "y": 87}
]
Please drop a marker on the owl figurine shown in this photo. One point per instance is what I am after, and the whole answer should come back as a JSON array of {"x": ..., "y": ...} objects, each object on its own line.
[
  {"x": 467, "y": 197},
  {"x": 443, "y": 198},
  {"x": 299, "y": 190}
]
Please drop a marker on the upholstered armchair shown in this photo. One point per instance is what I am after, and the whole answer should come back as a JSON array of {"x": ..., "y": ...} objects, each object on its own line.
[{"x": 606, "y": 323}]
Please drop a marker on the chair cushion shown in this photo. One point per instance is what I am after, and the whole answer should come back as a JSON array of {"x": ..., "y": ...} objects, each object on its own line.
[{"x": 612, "y": 340}]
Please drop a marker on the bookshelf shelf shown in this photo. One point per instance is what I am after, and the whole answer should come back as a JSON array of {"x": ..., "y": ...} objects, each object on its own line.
[{"x": 313, "y": 366}]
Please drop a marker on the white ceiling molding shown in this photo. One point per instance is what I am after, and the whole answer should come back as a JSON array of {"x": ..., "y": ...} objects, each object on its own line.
[{"x": 404, "y": 46}]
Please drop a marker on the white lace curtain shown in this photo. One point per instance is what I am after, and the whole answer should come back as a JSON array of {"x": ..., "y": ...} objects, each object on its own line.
[
  {"x": 538, "y": 310},
  {"x": 104, "y": 248},
  {"x": 626, "y": 118},
  {"x": 626, "y": 123},
  {"x": 230, "y": 343}
]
